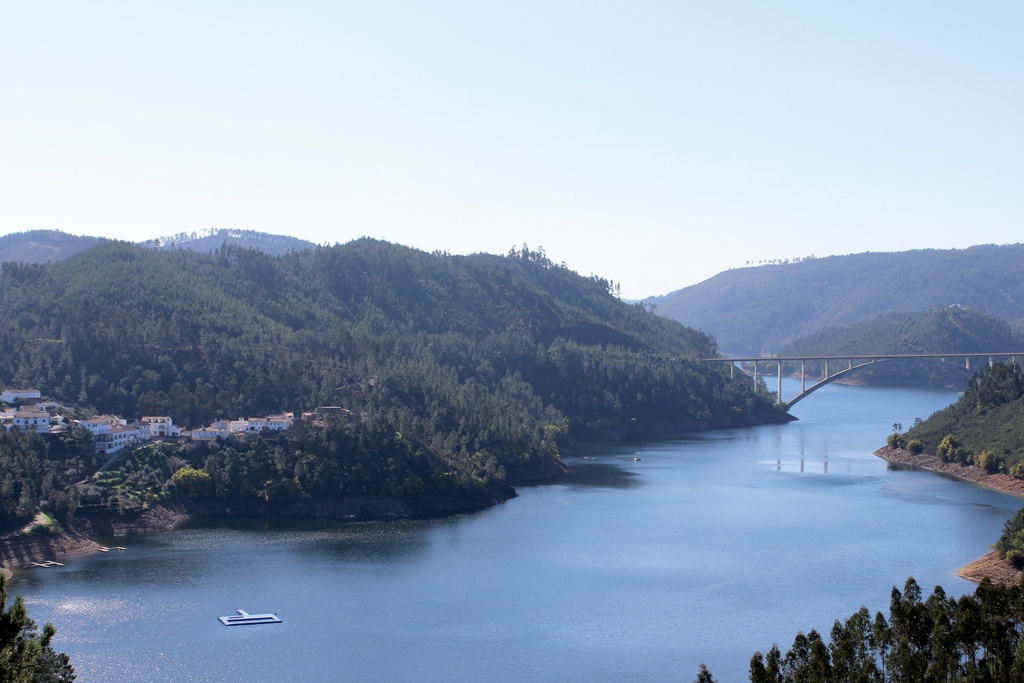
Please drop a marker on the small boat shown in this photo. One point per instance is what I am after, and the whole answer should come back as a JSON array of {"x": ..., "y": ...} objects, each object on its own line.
[
  {"x": 636, "y": 458},
  {"x": 245, "y": 619}
]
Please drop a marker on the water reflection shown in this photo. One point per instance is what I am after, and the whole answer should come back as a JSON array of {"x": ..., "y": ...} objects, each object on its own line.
[
  {"x": 608, "y": 475},
  {"x": 708, "y": 548}
]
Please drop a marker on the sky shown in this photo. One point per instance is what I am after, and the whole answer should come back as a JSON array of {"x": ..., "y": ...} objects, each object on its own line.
[{"x": 652, "y": 143}]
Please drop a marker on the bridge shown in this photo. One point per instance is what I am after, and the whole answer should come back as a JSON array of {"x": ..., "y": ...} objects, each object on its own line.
[{"x": 852, "y": 363}]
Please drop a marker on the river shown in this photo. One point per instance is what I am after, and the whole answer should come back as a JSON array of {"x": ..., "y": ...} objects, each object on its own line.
[{"x": 705, "y": 549}]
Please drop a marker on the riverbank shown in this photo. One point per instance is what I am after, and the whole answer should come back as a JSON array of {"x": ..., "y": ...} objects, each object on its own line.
[
  {"x": 998, "y": 481},
  {"x": 77, "y": 537},
  {"x": 991, "y": 566}
]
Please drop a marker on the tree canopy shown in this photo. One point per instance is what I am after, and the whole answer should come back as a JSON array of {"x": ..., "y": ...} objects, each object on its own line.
[{"x": 461, "y": 372}]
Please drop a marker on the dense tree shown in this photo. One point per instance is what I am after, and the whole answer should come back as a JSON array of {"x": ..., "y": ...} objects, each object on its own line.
[
  {"x": 462, "y": 373},
  {"x": 985, "y": 426},
  {"x": 979, "y": 637},
  {"x": 25, "y": 652}
]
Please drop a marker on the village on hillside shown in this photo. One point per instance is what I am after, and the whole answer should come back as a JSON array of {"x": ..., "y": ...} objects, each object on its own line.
[{"x": 25, "y": 411}]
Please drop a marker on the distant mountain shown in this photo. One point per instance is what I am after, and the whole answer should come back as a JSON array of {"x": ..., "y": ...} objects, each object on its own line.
[
  {"x": 212, "y": 239},
  {"x": 50, "y": 246},
  {"x": 749, "y": 310},
  {"x": 954, "y": 328},
  {"x": 42, "y": 246}
]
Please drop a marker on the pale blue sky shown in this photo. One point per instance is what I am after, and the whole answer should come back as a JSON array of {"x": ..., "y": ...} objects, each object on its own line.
[{"x": 652, "y": 143}]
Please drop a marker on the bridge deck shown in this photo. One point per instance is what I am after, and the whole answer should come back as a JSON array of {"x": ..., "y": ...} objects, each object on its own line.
[{"x": 853, "y": 363}]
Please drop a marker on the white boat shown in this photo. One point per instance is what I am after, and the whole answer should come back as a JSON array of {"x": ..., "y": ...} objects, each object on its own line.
[{"x": 245, "y": 619}]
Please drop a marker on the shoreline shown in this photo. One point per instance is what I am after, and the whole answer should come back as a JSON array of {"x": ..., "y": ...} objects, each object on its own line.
[
  {"x": 78, "y": 539},
  {"x": 989, "y": 566},
  {"x": 21, "y": 550}
]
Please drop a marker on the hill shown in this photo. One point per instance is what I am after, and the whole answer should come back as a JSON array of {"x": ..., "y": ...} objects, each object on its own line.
[
  {"x": 985, "y": 427},
  {"x": 466, "y": 372},
  {"x": 954, "y": 328},
  {"x": 212, "y": 239},
  {"x": 42, "y": 246},
  {"x": 750, "y": 310}
]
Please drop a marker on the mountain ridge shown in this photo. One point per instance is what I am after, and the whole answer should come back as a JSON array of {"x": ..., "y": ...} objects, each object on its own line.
[{"x": 762, "y": 308}]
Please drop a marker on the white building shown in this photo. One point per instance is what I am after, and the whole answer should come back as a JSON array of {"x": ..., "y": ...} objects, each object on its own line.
[
  {"x": 102, "y": 424},
  {"x": 144, "y": 431},
  {"x": 220, "y": 428},
  {"x": 271, "y": 423},
  {"x": 31, "y": 418},
  {"x": 116, "y": 438},
  {"x": 161, "y": 425},
  {"x": 14, "y": 395}
]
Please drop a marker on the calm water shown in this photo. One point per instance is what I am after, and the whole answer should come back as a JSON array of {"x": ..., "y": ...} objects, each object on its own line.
[{"x": 708, "y": 548}]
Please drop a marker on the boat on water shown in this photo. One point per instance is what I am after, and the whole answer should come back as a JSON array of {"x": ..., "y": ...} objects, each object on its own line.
[{"x": 243, "y": 618}]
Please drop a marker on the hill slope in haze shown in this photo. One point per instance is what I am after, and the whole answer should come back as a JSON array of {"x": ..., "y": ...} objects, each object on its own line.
[
  {"x": 45, "y": 246},
  {"x": 42, "y": 246},
  {"x": 213, "y": 239},
  {"x": 750, "y": 310},
  {"x": 953, "y": 329},
  {"x": 465, "y": 371}
]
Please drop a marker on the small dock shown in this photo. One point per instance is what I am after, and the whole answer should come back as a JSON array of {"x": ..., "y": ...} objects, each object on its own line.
[
  {"x": 105, "y": 549},
  {"x": 44, "y": 565},
  {"x": 245, "y": 619}
]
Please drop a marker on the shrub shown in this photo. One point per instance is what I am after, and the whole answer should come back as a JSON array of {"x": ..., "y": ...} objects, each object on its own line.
[
  {"x": 897, "y": 441},
  {"x": 1010, "y": 545},
  {"x": 192, "y": 482},
  {"x": 915, "y": 447},
  {"x": 988, "y": 462}
]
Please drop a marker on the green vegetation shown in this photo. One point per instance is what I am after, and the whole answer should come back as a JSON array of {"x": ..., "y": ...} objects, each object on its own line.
[
  {"x": 749, "y": 310},
  {"x": 985, "y": 427},
  {"x": 37, "y": 473},
  {"x": 1010, "y": 545},
  {"x": 25, "y": 652},
  {"x": 976, "y": 638},
  {"x": 465, "y": 374}
]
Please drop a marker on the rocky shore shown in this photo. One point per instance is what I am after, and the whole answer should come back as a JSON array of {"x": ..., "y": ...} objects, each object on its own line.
[
  {"x": 998, "y": 481},
  {"x": 43, "y": 544},
  {"x": 990, "y": 566},
  {"x": 37, "y": 544}
]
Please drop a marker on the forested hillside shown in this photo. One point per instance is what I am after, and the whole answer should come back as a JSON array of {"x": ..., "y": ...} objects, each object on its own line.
[
  {"x": 985, "y": 427},
  {"x": 464, "y": 371},
  {"x": 750, "y": 310},
  {"x": 953, "y": 329}
]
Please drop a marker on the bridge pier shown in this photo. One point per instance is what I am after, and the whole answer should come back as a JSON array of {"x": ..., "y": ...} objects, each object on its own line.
[
  {"x": 779, "y": 397},
  {"x": 834, "y": 372}
]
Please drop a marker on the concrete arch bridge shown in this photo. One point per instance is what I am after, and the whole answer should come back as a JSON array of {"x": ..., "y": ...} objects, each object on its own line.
[{"x": 837, "y": 367}]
